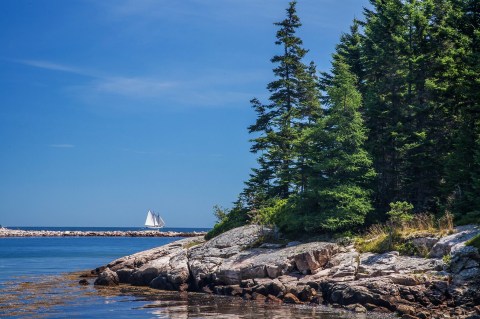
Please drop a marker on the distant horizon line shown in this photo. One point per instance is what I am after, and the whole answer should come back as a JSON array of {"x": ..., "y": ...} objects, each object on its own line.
[{"x": 7, "y": 226}]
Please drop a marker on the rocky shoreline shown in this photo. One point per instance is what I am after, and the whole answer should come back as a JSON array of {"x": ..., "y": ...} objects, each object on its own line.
[
  {"x": 5, "y": 232},
  {"x": 242, "y": 263}
]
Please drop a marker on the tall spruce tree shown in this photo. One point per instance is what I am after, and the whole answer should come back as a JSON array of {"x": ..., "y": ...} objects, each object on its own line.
[
  {"x": 385, "y": 68},
  {"x": 350, "y": 49},
  {"x": 293, "y": 106},
  {"x": 461, "y": 84},
  {"x": 338, "y": 195},
  {"x": 423, "y": 151}
]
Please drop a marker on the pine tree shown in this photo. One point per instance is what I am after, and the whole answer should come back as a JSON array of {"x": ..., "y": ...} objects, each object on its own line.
[
  {"x": 423, "y": 151},
  {"x": 293, "y": 106},
  {"x": 338, "y": 196},
  {"x": 385, "y": 68},
  {"x": 461, "y": 93},
  {"x": 350, "y": 49}
]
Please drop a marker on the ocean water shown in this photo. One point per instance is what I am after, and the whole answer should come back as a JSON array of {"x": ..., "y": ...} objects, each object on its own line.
[
  {"x": 166, "y": 229},
  {"x": 39, "y": 279}
]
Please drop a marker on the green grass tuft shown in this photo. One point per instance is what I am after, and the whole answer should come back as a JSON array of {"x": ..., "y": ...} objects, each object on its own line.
[{"x": 475, "y": 242}]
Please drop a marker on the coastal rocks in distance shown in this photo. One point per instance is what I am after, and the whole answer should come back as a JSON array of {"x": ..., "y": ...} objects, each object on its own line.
[
  {"x": 239, "y": 263},
  {"x": 5, "y": 232}
]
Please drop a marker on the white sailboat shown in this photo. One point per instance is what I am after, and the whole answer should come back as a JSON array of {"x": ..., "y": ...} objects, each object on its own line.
[{"x": 154, "y": 221}]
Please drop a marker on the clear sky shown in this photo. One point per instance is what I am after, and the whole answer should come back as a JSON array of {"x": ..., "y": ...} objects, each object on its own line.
[{"x": 111, "y": 108}]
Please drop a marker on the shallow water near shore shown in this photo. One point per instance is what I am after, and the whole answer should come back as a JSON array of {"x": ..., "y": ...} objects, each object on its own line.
[{"x": 38, "y": 280}]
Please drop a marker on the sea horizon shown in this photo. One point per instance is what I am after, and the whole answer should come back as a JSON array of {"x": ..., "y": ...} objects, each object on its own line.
[{"x": 105, "y": 228}]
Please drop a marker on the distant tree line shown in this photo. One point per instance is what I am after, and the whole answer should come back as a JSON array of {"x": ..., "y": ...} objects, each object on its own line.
[{"x": 397, "y": 118}]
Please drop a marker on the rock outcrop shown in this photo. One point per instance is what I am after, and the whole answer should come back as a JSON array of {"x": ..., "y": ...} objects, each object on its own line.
[{"x": 239, "y": 263}]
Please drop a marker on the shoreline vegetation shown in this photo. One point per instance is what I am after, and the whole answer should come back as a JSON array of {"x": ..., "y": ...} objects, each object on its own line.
[
  {"x": 5, "y": 232},
  {"x": 390, "y": 132}
]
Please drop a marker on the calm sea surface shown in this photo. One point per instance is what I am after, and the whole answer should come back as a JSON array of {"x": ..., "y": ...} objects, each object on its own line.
[{"x": 37, "y": 281}]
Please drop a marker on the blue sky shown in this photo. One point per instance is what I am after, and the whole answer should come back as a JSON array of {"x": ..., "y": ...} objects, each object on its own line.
[{"x": 111, "y": 108}]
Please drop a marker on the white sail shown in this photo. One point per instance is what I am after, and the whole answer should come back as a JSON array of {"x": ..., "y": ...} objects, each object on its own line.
[
  {"x": 154, "y": 220},
  {"x": 161, "y": 223},
  {"x": 150, "y": 221}
]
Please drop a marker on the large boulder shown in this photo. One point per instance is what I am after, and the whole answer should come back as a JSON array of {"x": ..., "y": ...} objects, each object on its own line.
[
  {"x": 163, "y": 267},
  {"x": 107, "y": 278},
  {"x": 462, "y": 234},
  {"x": 230, "y": 258},
  {"x": 376, "y": 265},
  {"x": 465, "y": 263}
]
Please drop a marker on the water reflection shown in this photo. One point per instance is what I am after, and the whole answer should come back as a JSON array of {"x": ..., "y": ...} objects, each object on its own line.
[{"x": 62, "y": 296}]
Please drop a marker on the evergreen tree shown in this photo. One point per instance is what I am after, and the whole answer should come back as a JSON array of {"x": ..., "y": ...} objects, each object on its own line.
[
  {"x": 338, "y": 195},
  {"x": 461, "y": 92},
  {"x": 293, "y": 106},
  {"x": 350, "y": 49},
  {"x": 423, "y": 151},
  {"x": 385, "y": 68}
]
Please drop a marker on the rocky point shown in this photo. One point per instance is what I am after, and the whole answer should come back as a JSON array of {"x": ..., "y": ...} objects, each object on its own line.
[{"x": 236, "y": 263}]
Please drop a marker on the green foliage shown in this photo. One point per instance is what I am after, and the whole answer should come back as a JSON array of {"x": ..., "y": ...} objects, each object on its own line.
[
  {"x": 337, "y": 195},
  {"x": 293, "y": 105},
  {"x": 398, "y": 235},
  {"x": 400, "y": 212},
  {"x": 447, "y": 259},
  {"x": 475, "y": 242},
  {"x": 399, "y": 121},
  {"x": 220, "y": 213},
  {"x": 266, "y": 215},
  {"x": 237, "y": 217}
]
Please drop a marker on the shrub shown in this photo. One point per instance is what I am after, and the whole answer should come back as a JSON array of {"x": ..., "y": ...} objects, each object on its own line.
[
  {"x": 236, "y": 217},
  {"x": 402, "y": 226},
  {"x": 267, "y": 215},
  {"x": 475, "y": 242},
  {"x": 400, "y": 212}
]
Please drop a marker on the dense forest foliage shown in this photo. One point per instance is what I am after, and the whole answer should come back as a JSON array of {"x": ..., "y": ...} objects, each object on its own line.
[{"x": 396, "y": 119}]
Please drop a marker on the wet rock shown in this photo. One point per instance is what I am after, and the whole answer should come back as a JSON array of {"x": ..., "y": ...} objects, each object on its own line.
[
  {"x": 356, "y": 308},
  {"x": 83, "y": 282},
  {"x": 258, "y": 297},
  {"x": 317, "y": 300},
  {"x": 124, "y": 275},
  {"x": 107, "y": 278},
  {"x": 291, "y": 298},
  {"x": 273, "y": 299},
  {"x": 261, "y": 289},
  {"x": 306, "y": 293},
  {"x": 405, "y": 309}
]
